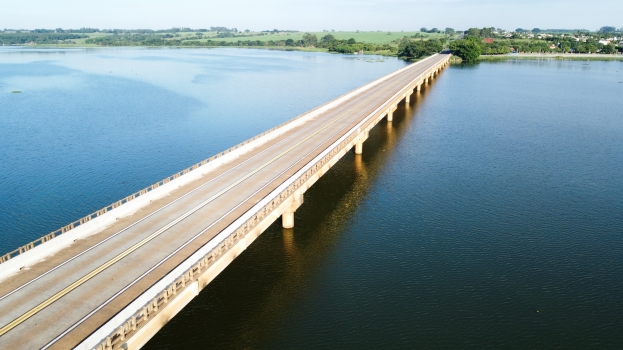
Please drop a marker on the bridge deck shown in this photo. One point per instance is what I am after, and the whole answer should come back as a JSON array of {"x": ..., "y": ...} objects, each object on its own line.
[{"x": 66, "y": 298}]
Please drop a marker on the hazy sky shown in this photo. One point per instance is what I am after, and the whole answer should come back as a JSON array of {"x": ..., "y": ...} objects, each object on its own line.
[{"x": 311, "y": 15}]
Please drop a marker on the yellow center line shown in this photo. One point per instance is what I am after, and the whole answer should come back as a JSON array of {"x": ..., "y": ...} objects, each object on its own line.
[{"x": 112, "y": 261}]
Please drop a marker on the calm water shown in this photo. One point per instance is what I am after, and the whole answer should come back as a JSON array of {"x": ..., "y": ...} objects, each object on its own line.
[{"x": 489, "y": 214}]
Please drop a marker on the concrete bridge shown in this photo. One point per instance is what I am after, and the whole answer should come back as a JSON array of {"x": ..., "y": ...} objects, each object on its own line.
[{"x": 112, "y": 279}]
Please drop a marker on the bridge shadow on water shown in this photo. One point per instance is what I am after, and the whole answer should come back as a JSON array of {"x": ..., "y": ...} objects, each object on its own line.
[{"x": 249, "y": 302}]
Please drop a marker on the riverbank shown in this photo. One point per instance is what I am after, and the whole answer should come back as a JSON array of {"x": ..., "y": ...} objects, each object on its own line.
[{"x": 562, "y": 57}]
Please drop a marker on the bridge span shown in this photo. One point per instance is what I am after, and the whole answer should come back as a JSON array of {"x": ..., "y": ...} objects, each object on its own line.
[{"x": 112, "y": 279}]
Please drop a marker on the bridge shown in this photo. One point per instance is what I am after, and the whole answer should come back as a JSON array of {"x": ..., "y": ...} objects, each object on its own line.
[{"x": 112, "y": 279}]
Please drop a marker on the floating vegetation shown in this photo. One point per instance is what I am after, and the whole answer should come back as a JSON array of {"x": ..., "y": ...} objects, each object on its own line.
[{"x": 16, "y": 92}]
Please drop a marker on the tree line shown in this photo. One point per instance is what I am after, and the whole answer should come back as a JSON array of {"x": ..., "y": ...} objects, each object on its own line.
[
  {"x": 37, "y": 38},
  {"x": 473, "y": 45},
  {"x": 328, "y": 42}
]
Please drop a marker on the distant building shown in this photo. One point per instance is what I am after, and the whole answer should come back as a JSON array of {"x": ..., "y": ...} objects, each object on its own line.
[{"x": 488, "y": 40}]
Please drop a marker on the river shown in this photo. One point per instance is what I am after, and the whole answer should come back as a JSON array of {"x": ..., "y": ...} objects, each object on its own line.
[{"x": 489, "y": 214}]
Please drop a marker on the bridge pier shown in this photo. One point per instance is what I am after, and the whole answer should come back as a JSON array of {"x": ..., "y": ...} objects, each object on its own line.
[
  {"x": 287, "y": 218},
  {"x": 359, "y": 143},
  {"x": 359, "y": 147},
  {"x": 390, "y": 112},
  {"x": 419, "y": 87}
]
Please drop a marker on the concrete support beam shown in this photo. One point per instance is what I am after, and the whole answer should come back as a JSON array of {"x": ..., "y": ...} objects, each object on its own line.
[
  {"x": 419, "y": 87},
  {"x": 390, "y": 115}
]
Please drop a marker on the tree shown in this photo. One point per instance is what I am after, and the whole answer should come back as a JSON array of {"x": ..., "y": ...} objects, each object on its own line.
[
  {"x": 423, "y": 30},
  {"x": 449, "y": 31},
  {"x": 310, "y": 39},
  {"x": 327, "y": 39},
  {"x": 609, "y": 49},
  {"x": 519, "y": 30},
  {"x": 536, "y": 30},
  {"x": 351, "y": 41},
  {"x": 607, "y": 29},
  {"x": 473, "y": 32},
  {"x": 344, "y": 49},
  {"x": 468, "y": 50},
  {"x": 434, "y": 30},
  {"x": 289, "y": 42},
  {"x": 420, "y": 48}
]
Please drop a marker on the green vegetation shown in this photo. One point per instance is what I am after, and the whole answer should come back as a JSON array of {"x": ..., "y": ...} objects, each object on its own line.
[
  {"x": 409, "y": 45},
  {"x": 37, "y": 38},
  {"x": 492, "y": 41},
  {"x": 382, "y": 43},
  {"x": 551, "y": 57},
  {"x": 417, "y": 49},
  {"x": 16, "y": 92},
  {"x": 468, "y": 49}
]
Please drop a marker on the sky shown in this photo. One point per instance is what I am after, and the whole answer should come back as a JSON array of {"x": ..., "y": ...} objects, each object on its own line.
[{"x": 312, "y": 15}]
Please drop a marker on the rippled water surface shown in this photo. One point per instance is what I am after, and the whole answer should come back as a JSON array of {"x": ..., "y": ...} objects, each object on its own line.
[{"x": 489, "y": 214}]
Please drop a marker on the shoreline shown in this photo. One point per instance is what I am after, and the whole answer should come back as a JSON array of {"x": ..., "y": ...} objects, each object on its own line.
[
  {"x": 557, "y": 57},
  {"x": 278, "y": 48}
]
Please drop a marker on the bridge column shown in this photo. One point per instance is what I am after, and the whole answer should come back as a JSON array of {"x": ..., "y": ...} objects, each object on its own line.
[
  {"x": 419, "y": 87},
  {"x": 359, "y": 147},
  {"x": 359, "y": 143},
  {"x": 287, "y": 218},
  {"x": 408, "y": 96},
  {"x": 390, "y": 115}
]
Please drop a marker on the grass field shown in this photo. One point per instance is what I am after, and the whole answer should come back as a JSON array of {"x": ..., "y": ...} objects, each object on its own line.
[{"x": 368, "y": 37}]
